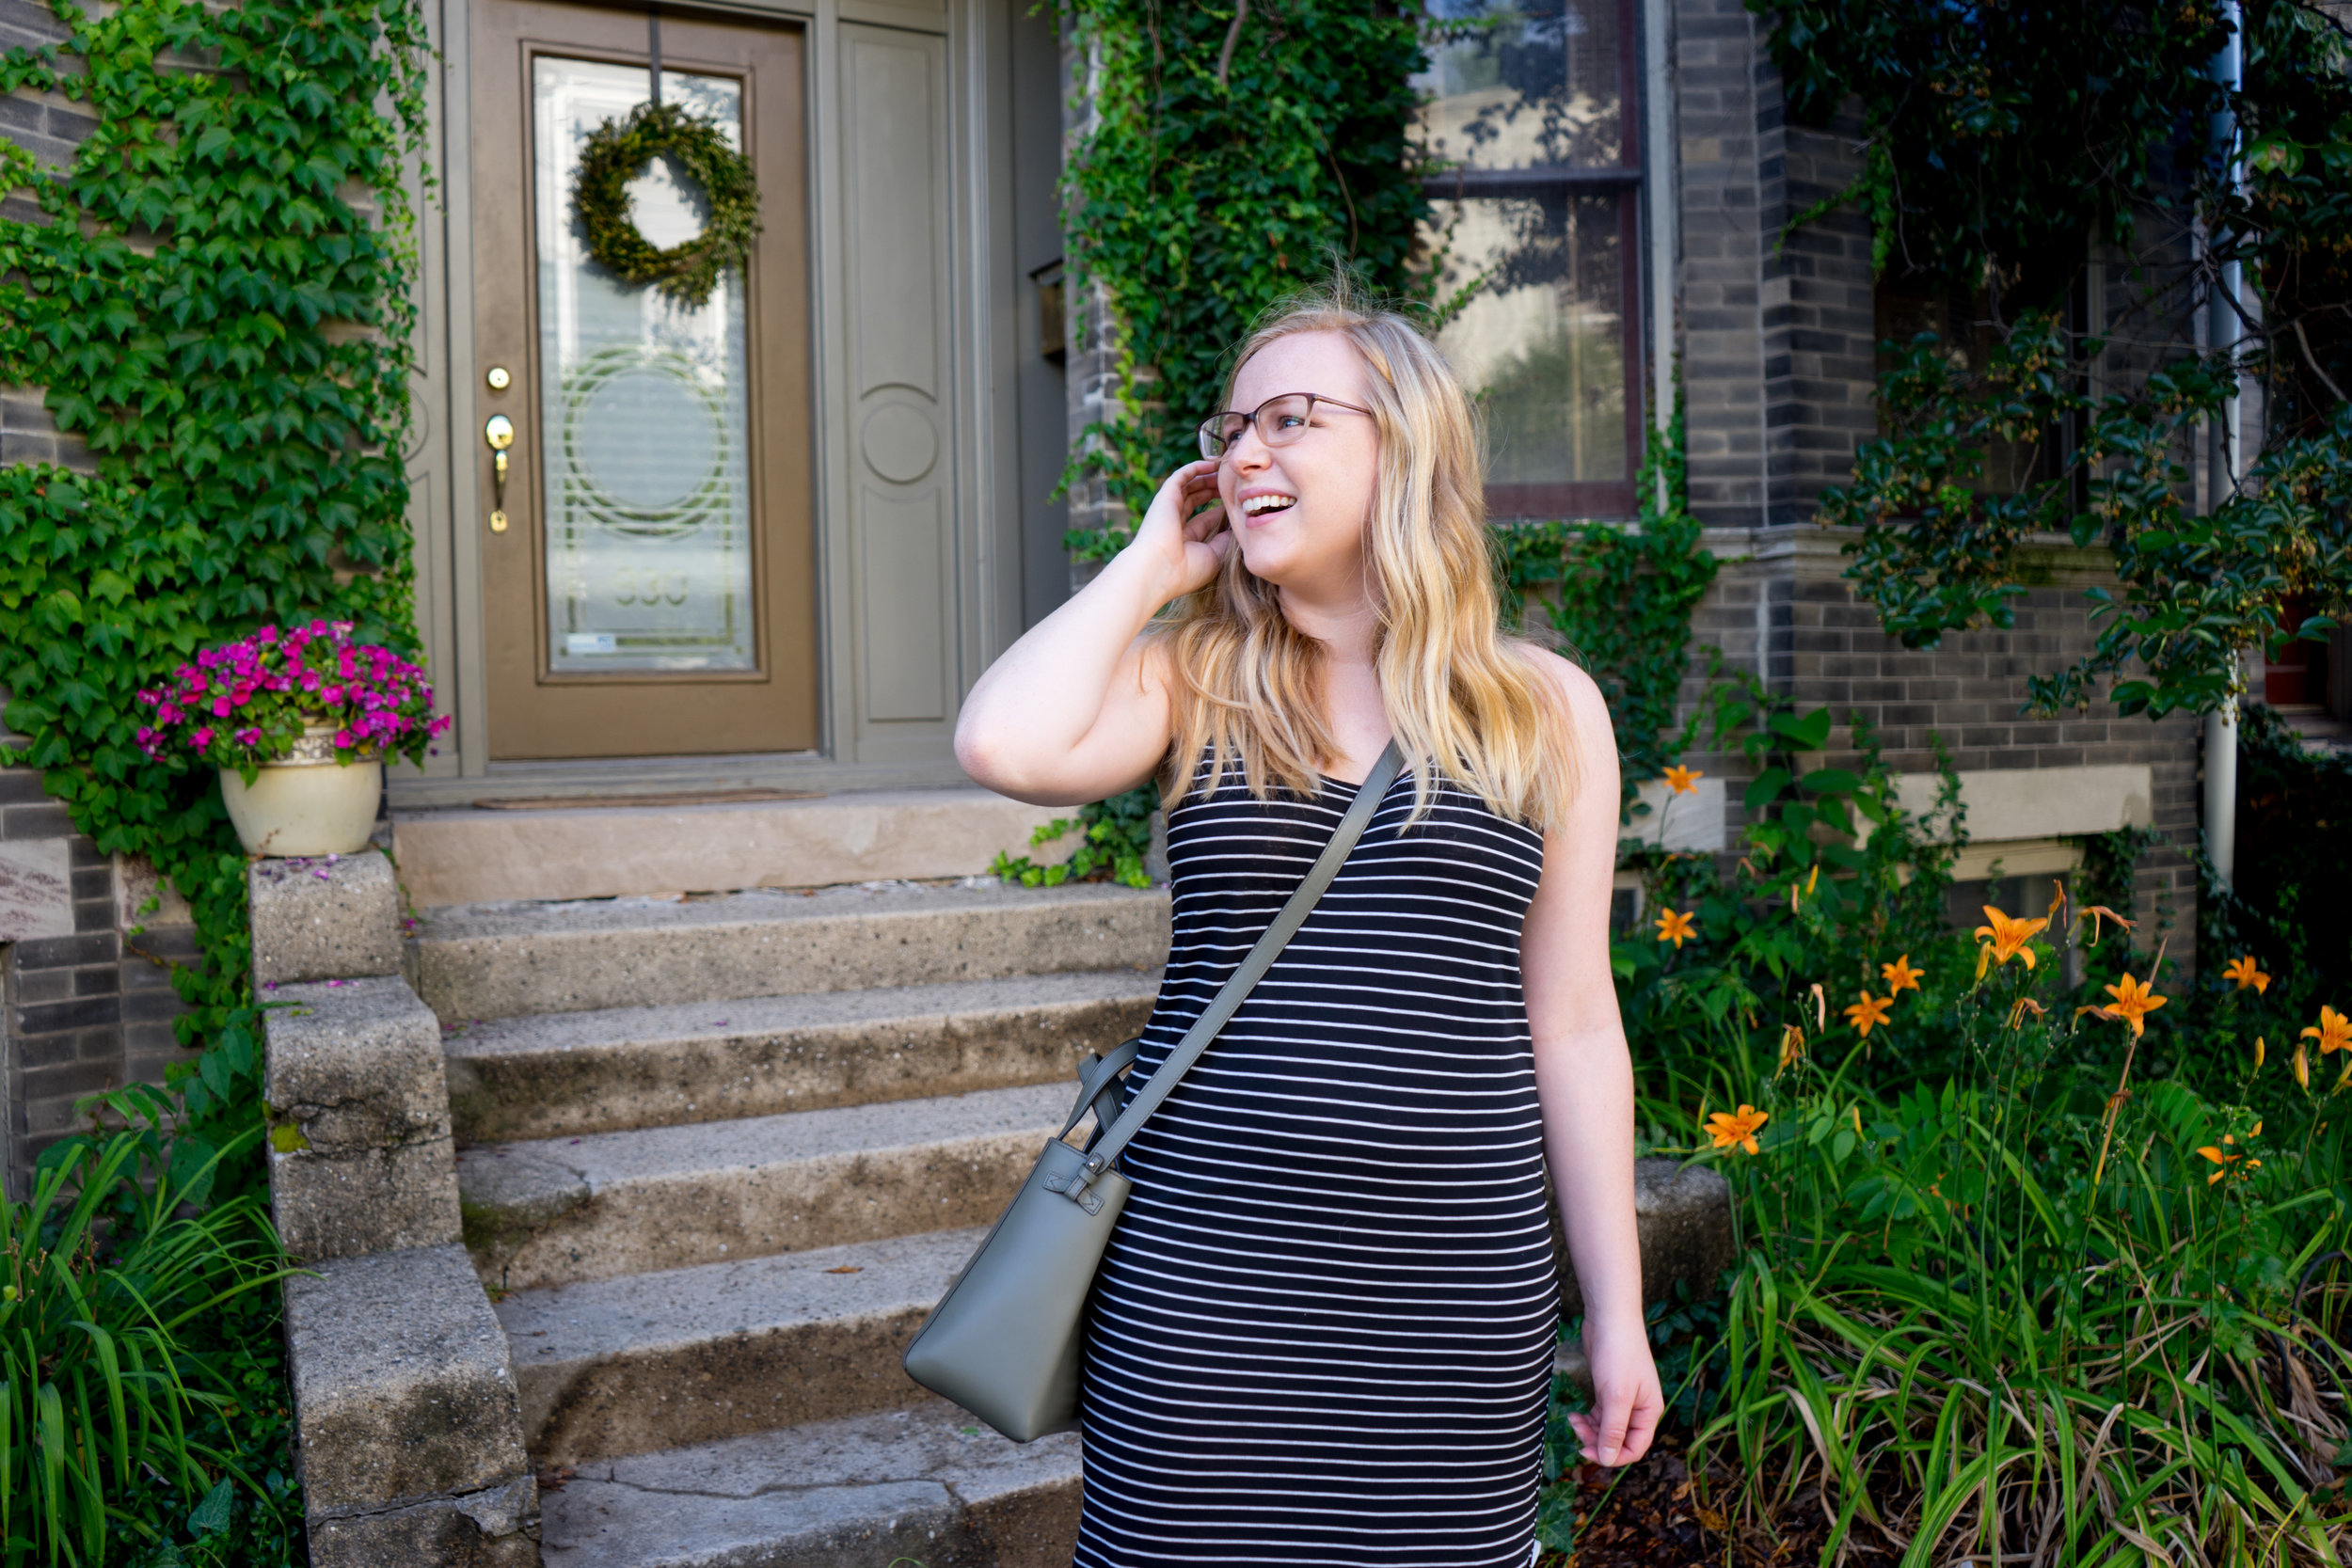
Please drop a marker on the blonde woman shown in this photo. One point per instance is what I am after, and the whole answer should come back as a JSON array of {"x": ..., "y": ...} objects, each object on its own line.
[{"x": 1324, "y": 1330}]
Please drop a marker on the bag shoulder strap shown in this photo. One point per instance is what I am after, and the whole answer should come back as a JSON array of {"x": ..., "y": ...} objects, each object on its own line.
[{"x": 1238, "y": 985}]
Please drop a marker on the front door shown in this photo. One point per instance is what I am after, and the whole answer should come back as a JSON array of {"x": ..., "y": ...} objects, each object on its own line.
[{"x": 649, "y": 582}]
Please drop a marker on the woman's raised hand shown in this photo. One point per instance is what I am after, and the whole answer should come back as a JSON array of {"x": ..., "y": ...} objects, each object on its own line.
[{"x": 1183, "y": 546}]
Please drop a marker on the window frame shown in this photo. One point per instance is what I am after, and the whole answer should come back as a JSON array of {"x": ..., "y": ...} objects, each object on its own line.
[{"x": 1624, "y": 180}]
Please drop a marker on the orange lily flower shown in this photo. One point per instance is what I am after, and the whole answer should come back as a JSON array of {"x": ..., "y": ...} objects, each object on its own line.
[
  {"x": 2024, "y": 1004},
  {"x": 1676, "y": 927},
  {"x": 1739, "y": 1127},
  {"x": 1869, "y": 1010},
  {"x": 1791, "y": 1046},
  {"x": 2226, "y": 1156},
  {"x": 1682, "y": 780},
  {"x": 2134, "y": 1000},
  {"x": 1900, "y": 976},
  {"x": 2099, "y": 913},
  {"x": 2334, "y": 1032},
  {"x": 2245, "y": 972},
  {"x": 2006, "y": 939}
]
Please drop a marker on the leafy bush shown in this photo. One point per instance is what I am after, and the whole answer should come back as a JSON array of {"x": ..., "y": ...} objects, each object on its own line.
[
  {"x": 135, "y": 1330},
  {"x": 1118, "y": 837}
]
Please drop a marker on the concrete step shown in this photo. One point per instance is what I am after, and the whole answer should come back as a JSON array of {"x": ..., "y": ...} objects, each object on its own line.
[
  {"x": 630, "y": 1365},
  {"x": 569, "y": 1074},
  {"x": 604, "y": 847},
  {"x": 926, "y": 1484},
  {"x": 564, "y": 1210},
  {"x": 474, "y": 961}
]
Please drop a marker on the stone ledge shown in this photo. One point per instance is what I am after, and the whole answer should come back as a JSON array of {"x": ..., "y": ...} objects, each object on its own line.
[
  {"x": 403, "y": 1389},
  {"x": 492, "y": 1529},
  {"x": 337, "y": 918},
  {"x": 372, "y": 1200},
  {"x": 355, "y": 1065},
  {"x": 1684, "y": 1213}
]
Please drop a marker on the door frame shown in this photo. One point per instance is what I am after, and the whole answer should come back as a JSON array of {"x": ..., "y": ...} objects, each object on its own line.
[{"x": 448, "y": 470}]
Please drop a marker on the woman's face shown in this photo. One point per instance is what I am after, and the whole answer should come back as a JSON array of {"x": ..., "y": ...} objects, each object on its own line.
[{"x": 1299, "y": 510}]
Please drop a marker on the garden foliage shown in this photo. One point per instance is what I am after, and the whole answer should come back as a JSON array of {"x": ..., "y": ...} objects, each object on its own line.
[
  {"x": 214, "y": 299},
  {"x": 143, "y": 1412},
  {"x": 2005, "y": 148},
  {"x": 1235, "y": 150}
]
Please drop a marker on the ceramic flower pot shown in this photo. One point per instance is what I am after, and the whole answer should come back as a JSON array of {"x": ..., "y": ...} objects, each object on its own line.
[{"x": 307, "y": 804}]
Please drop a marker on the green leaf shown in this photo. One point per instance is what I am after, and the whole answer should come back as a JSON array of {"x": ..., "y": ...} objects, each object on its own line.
[
  {"x": 211, "y": 1516},
  {"x": 1764, "y": 788},
  {"x": 1808, "y": 734},
  {"x": 1830, "y": 781}
]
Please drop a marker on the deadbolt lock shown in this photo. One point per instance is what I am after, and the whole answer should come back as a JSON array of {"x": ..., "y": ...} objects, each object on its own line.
[{"x": 499, "y": 434}]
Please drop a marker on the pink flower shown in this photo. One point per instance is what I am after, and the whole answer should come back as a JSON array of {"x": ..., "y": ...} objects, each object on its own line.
[{"x": 202, "y": 738}]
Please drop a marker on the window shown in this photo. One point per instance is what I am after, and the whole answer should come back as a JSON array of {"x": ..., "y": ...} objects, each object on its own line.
[{"x": 1532, "y": 102}]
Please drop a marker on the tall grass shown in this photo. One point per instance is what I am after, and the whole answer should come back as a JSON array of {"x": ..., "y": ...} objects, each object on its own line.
[
  {"x": 2018, "y": 1285},
  {"x": 111, "y": 1417}
]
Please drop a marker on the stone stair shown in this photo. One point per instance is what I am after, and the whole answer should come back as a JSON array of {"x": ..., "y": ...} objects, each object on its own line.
[{"x": 718, "y": 1156}]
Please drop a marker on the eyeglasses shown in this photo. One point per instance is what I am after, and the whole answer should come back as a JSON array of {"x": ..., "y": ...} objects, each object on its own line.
[{"x": 1279, "y": 420}]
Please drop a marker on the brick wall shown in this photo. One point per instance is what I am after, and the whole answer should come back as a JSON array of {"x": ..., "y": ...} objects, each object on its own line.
[{"x": 83, "y": 1006}]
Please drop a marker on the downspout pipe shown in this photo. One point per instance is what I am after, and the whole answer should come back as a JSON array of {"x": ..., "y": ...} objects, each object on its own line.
[
  {"x": 1665, "y": 212},
  {"x": 2225, "y": 329}
]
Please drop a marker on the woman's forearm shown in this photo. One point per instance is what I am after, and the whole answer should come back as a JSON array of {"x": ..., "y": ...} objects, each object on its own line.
[
  {"x": 1586, "y": 1083},
  {"x": 1029, "y": 714}
]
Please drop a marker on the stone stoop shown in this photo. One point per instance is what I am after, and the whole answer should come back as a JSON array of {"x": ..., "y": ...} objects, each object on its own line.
[
  {"x": 716, "y": 1158},
  {"x": 406, "y": 1414},
  {"x": 606, "y": 848}
]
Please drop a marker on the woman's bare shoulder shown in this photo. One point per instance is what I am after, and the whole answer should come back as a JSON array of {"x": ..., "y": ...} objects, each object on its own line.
[{"x": 1581, "y": 693}]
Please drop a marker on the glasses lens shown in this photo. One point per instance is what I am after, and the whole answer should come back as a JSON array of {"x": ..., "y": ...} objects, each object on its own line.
[
  {"x": 1283, "y": 419},
  {"x": 1220, "y": 430}
]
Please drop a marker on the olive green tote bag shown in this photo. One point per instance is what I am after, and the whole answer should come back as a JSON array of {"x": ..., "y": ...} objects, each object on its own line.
[{"x": 1005, "y": 1341}]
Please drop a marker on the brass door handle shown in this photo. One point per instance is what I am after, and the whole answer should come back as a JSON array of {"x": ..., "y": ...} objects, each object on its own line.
[{"x": 499, "y": 434}]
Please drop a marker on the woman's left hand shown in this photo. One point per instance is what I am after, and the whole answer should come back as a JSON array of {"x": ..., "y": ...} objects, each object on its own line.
[{"x": 1626, "y": 1401}]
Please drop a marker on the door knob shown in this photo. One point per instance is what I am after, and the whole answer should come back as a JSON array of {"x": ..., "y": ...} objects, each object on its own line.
[{"x": 499, "y": 434}]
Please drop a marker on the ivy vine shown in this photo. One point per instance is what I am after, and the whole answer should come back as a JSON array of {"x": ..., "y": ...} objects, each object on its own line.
[
  {"x": 214, "y": 299},
  {"x": 1620, "y": 599},
  {"x": 2002, "y": 145},
  {"x": 1236, "y": 150}
]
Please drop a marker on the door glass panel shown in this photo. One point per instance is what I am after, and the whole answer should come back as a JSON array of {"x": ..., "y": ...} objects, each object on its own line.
[
  {"x": 642, "y": 422},
  {"x": 1542, "y": 341}
]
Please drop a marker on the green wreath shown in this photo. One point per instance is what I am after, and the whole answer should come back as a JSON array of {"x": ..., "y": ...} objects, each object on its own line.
[{"x": 617, "y": 151}]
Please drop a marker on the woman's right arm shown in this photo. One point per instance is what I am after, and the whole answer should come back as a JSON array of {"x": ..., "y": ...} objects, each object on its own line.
[{"x": 1078, "y": 709}]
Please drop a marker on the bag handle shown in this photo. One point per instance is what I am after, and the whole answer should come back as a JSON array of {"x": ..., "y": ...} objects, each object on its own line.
[{"x": 1228, "y": 1001}]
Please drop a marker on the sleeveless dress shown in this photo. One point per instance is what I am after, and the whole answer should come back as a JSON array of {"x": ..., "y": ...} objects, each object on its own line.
[{"x": 1323, "y": 1330}]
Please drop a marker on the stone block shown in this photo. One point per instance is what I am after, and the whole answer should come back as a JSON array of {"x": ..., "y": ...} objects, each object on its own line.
[
  {"x": 36, "y": 889},
  {"x": 370, "y": 1200},
  {"x": 355, "y": 1065},
  {"x": 334, "y": 918},
  {"x": 138, "y": 885},
  {"x": 491, "y": 1529},
  {"x": 361, "y": 1158},
  {"x": 1684, "y": 1215},
  {"x": 404, "y": 1394}
]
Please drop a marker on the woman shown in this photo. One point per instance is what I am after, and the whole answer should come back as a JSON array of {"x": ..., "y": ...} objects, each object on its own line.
[{"x": 1324, "y": 1330}]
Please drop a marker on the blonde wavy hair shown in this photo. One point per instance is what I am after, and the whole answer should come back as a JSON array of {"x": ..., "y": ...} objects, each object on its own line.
[{"x": 1463, "y": 702}]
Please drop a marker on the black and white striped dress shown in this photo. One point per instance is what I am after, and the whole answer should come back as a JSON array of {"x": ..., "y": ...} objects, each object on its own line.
[{"x": 1324, "y": 1327}]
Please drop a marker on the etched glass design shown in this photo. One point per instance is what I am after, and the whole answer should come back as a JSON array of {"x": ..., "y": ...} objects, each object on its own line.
[{"x": 642, "y": 414}]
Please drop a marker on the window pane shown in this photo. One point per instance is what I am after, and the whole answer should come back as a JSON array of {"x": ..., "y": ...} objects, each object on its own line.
[
  {"x": 1542, "y": 341},
  {"x": 1532, "y": 85}
]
